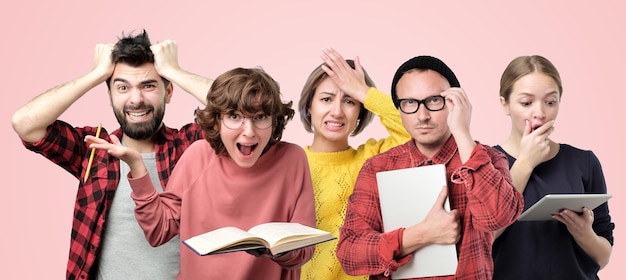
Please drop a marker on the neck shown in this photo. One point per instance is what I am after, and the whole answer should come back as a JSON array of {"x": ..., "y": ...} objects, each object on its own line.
[
  {"x": 431, "y": 149},
  {"x": 511, "y": 145},
  {"x": 320, "y": 145},
  {"x": 427, "y": 151}
]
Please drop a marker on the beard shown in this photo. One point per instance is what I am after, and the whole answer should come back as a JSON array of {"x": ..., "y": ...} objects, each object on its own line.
[{"x": 143, "y": 130}]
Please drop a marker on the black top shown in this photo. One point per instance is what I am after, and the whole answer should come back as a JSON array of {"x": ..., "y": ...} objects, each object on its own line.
[{"x": 545, "y": 249}]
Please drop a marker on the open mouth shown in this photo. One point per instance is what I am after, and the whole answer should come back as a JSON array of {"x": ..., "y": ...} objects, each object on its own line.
[
  {"x": 137, "y": 114},
  {"x": 246, "y": 149},
  {"x": 334, "y": 124}
]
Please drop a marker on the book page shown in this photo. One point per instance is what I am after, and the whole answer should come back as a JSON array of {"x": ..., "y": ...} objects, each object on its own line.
[
  {"x": 281, "y": 232},
  {"x": 220, "y": 238}
]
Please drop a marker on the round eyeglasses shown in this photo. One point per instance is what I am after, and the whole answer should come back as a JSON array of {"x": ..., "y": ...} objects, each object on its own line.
[
  {"x": 411, "y": 105},
  {"x": 235, "y": 121}
]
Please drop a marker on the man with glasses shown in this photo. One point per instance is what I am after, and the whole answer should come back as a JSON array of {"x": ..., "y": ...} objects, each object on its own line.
[{"x": 479, "y": 188}]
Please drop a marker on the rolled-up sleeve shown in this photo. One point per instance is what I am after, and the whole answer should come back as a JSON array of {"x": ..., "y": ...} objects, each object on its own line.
[{"x": 493, "y": 201}]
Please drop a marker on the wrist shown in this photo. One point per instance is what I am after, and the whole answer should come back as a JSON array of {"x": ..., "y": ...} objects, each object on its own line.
[
  {"x": 169, "y": 71},
  {"x": 99, "y": 75},
  {"x": 523, "y": 165},
  {"x": 138, "y": 171}
]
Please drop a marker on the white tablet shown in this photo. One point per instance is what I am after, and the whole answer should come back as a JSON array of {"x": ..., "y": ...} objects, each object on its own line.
[{"x": 553, "y": 203}]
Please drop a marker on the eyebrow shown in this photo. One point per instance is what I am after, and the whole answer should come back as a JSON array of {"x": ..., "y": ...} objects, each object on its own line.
[
  {"x": 430, "y": 96},
  {"x": 345, "y": 95},
  {"x": 247, "y": 114},
  {"x": 328, "y": 93},
  {"x": 533, "y": 94},
  {"x": 151, "y": 81}
]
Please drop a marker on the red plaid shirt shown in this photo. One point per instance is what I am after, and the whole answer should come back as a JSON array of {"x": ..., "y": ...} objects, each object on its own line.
[
  {"x": 481, "y": 189},
  {"x": 65, "y": 146}
]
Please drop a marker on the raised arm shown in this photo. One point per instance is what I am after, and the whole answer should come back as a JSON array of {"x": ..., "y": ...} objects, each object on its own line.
[
  {"x": 31, "y": 120},
  {"x": 115, "y": 148},
  {"x": 352, "y": 82},
  {"x": 492, "y": 199},
  {"x": 381, "y": 105},
  {"x": 534, "y": 147},
  {"x": 158, "y": 216},
  {"x": 166, "y": 63},
  {"x": 459, "y": 117}
]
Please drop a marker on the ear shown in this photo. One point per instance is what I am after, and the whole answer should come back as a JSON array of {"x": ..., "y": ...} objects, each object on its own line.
[
  {"x": 168, "y": 93},
  {"x": 505, "y": 106}
]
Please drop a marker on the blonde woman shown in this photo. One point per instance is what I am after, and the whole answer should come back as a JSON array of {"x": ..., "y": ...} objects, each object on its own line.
[{"x": 572, "y": 246}]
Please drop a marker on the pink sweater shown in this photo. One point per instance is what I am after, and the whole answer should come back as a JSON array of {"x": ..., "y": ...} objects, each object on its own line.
[{"x": 206, "y": 192}]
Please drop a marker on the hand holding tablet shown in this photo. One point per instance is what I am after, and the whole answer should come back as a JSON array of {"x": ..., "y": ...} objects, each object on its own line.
[{"x": 554, "y": 203}]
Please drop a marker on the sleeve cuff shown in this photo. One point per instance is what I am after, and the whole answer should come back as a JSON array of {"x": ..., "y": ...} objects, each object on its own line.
[{"x": 142, "y": 186}]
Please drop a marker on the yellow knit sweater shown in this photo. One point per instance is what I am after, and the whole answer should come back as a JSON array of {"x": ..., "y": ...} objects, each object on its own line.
[{"x": 334, "y": 175}]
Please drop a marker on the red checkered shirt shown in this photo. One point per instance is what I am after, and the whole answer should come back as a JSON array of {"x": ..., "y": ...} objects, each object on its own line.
[
  {"x": 65, "y": 146},
  {"x": 481, "y": 190}
]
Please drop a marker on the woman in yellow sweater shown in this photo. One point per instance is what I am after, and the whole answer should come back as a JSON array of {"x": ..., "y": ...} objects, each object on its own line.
[{"x": 339, "y": 100}]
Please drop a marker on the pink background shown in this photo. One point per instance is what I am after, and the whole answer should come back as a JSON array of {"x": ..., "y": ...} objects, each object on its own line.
[{"x": 46, "y": 43}]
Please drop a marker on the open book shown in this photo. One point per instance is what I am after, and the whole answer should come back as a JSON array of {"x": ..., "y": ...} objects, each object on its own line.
[
  {"x": 275, "y": 238},
  {"x": 406, "y": 196}
]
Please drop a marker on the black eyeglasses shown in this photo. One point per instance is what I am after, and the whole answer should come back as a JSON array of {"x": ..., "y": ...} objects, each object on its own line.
[{"x": 411, "y": 105}]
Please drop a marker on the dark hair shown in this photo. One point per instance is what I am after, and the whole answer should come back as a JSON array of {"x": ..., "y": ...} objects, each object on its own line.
[
  {"x": 422, "y": 63},
  {"x": 134, "y": 51},
  {"x": 308, "y": 91},
  {"x": 524, "y": 65},
  {"x": 247, "y": 90}
]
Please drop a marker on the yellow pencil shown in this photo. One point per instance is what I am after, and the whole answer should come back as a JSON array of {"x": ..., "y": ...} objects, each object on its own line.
[{"x": 93, "y": 152}]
